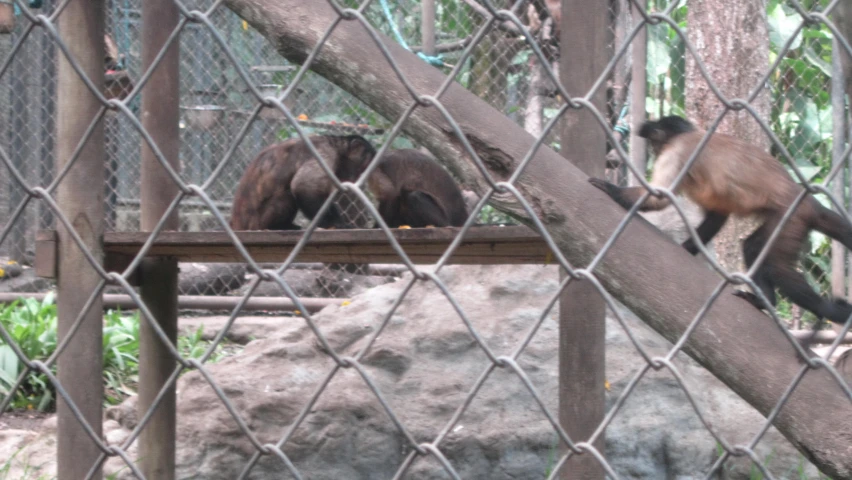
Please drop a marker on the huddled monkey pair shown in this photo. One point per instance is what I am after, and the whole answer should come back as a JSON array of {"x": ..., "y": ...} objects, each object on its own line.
[
  {"x": 411, "y": 188},
  {"x": 732, "y": 177}
]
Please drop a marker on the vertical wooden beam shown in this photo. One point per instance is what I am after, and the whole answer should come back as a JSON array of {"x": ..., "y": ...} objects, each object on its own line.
[
  {"x": 427, "y": 26},
  {"x": 160, "y": 116},
  {"x": 48, "y": 115},
  {"x": 638, "y": 93},
  {"x": 582, "y": 58},
  {"x": 81, "y": 26},
  {"x": 842, "y": 16}
]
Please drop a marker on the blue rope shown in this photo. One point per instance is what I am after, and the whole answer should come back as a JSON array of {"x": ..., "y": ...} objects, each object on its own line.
[
  {"x": 434, "y": 61},
  {"x": 620, "y": 126},
  {"x": 30, "y": 3}
]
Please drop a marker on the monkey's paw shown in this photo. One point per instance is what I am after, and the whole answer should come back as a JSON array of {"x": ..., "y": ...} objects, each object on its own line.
[
  {"x": 404, "y": 227},
  {"x": 607, "y": 187},
  {"x": 750, "y": 298}
]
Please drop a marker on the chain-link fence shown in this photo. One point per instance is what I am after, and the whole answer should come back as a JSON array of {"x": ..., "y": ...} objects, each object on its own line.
[{"x": 238, "y": 93}]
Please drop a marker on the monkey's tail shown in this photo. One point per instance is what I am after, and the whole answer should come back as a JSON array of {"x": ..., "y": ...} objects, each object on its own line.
[{"x": 832, "y": 224}]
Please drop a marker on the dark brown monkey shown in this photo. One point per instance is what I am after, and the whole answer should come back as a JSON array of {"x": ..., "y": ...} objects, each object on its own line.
[
  {"x": 731, "y": 177},
  {"x": 286, "y": 177},
  {"x": 414, "y": 190}
]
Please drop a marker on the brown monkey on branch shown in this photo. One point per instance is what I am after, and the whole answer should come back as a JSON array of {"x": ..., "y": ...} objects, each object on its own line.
[
  {"x": 286, "y": 177},
  {"x": 414, "y": 190},
  {"x": 731, "y": 177}
]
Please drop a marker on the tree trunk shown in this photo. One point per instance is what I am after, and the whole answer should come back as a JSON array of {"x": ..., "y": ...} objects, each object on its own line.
[
  {"x": 731, "y": 38},
  {"x": 644, "y": 269}
]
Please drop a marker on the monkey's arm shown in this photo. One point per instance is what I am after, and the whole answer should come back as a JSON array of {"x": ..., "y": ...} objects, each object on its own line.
[
  {"x": 713, "y": 222},
  {"x": 627, "y": 196}
]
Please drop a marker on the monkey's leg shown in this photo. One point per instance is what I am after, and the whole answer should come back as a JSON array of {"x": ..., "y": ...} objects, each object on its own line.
[
  {"x": 752, "y": 247},
  {"x": 311, "y": 189},
  {"x": 627, "y": 196},
  {"x": 793, "y": 285},
  {"x": 831, "y": 223},
  {"x": 421, "y": 209},
  {"x": 389, "y": 211},
  {"x": 713, "y": 222}
]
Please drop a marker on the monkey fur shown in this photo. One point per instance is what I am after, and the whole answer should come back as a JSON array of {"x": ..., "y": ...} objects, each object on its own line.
[
  {"x": 286, "y": 177},
  {"x": 732, "y": 177},
  {"x": 413, "y": 189}
]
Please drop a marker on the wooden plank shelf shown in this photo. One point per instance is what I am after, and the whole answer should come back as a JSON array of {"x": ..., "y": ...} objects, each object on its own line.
[{"x": 482, "y": 245}]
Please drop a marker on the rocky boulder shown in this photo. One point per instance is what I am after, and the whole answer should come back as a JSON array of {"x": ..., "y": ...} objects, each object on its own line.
[{"x": 425, "y": 363}]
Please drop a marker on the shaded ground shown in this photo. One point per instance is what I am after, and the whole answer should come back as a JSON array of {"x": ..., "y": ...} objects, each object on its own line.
[{"x": 22, "y": 420}]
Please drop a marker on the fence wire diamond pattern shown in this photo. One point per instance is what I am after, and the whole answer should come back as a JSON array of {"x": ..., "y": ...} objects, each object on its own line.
[{"x": 201, "y": 186}]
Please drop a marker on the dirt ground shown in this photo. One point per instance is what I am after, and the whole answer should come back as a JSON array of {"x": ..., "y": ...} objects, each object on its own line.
[{"x": 22, "y": 420}]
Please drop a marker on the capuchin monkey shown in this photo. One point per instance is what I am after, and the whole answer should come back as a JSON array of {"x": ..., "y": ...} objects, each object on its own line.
[
  {"x": 731, "y": 177},
  {"x": 413, "y": 189},
  {"x": 286, "y": 177}
]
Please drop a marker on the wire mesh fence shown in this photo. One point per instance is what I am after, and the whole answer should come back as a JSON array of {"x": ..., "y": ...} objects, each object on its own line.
[{"x": 238, "y": 94}]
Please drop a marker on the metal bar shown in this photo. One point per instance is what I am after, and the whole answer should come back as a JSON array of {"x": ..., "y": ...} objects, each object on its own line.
[
  {"x": 159, "y": 279},
  {"x": 48, "y": 114},
  {"x": 19, "y": 79},
  {"x": 200, "y": 302},
  {"x": 838, "y": 116},
  {"x": 582, "y": 327},
  {"x": 81, "y": 26},
  {"x": 638, "y": 93}
]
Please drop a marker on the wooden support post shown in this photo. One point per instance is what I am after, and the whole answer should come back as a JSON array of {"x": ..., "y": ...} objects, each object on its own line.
[
  {"x": 427, "y": 26},
  {"x": 582, "y": 58},
  {"x": 638, "y": 92},
  {"x": 81, "y": 26},
  {"x": 842, "y": 16},
  {"x": 160, "y": 116}
]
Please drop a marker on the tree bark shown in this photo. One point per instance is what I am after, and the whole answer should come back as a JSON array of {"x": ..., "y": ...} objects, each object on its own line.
[
  {"x": 648, "y": 272},
  {"x": 732, "y": 40}
]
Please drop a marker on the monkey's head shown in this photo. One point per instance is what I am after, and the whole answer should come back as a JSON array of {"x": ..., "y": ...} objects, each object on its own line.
[
  {"x": 663, "y": 130},
  {"x": 355, "y": 156}
]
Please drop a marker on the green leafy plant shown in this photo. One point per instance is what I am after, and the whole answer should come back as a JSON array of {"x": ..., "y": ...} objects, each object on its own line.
[{"x": 32, "y": 327}]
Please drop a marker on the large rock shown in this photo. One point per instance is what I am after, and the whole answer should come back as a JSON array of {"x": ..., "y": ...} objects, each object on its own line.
[
  {"x": 425, "y": 363},
  {"x": 327, "y": 282},
  {"x": 210, "y": 278},
  {"x": 26, "y": 282}
]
